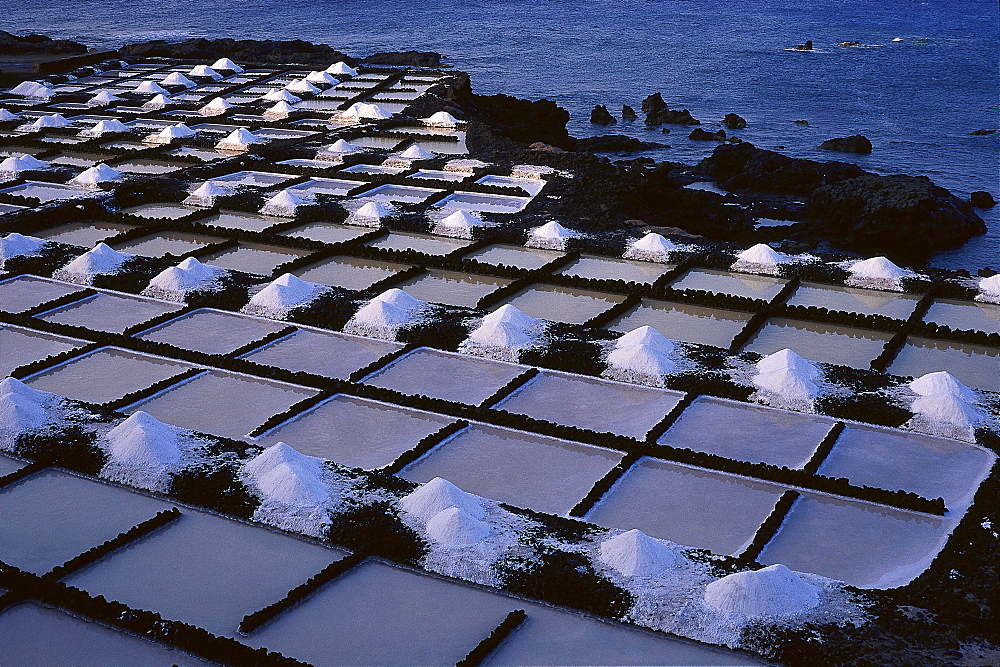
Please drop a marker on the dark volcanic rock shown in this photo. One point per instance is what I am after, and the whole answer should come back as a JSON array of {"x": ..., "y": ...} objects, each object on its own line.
[
  {"x": 734, "y": 140},
  {"x": 628, "y": 113},
  {"x": 808, "y": 46},
  {"x": 403, "y": 58},
  {"x": 615, "y": 143},
  {"x": 703, "y": 135},
  {"x": 601, "y": 116},
  {"x": 857, "y": 143},
  {"x": 982, "y": 199},
  {"x": 734, "y": 121},
  {"x": 245, "y": 50},
  {"x": 981, "y": 133},
  {"x": 13, "y": 44},
  {"x": 653, "y": 103},
  {"x": 801, "y": 122},
  {"x": 899, "y": 213},
  {"x": 671, "y": 116},
  {"x": 743, "y": 166}
]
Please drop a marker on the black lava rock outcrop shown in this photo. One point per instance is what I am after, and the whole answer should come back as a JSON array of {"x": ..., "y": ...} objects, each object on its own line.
[
  {"x": 801, "y": 122},
  {"x": 672, "y": 117},
  {"x": 743, "y": 166},
  {"x": 14, "y": 44},
  {"x": 982, "y": 199},
  {"x": 981, "y": 133},
  {"x": 734, "y": 121},
  {"x": 243, "y": 50},
  {"x": 653, "y": 103},
  {"x": 703, "y": 135},
  {"x": 857, "y": 143},
  {"x": 601, "y": 116},
  {"x": 615, "y": 143},
  {"x": 807, "y": 46},
  {"x": 628, "y": 113}
]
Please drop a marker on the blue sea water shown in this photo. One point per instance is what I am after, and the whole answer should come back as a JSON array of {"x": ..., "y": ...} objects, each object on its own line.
[{"x": 926, "y": 77}]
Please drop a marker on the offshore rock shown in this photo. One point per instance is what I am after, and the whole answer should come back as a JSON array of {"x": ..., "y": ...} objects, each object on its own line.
[
  {"x": 601, "y": 116},
  {"x": 734, "y": 121},
  {"x": 653, "y": 103},
  {"x": 857, "y": 143},
  {"x": 672, "y": 117},
  {"x": 628, "y": 113},
  {"x": 743, "y": 166},
  {"x": 615, "y": 143},
  {"x": 703, "y": 135},
  {"x": 982, "y": 199}
]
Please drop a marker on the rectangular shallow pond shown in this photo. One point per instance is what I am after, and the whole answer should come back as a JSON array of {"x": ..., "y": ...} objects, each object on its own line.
[
  {"x": 599, "y": 405},
  {"x": 84, "y": 234},
  {"x": 863, "y": 544},
  {"x": 349, "y": 272},
  {"x": 512, "y": 255},
  {"x": 250, "y": 222},
  {"x": 211, "y": 331},
  {"x": 523, "y": 469},
  {"x": 975, "y": 365},
  {"x": 853, "y": 300},
  {"x": 609, "y": 268},
  {"x": 24, "y": 292},
  {"x": 167, "y": 243},
  {"x": 326, "y": 232},
  {"x": 109, "y": 312},
  {"x": 965, "y": 315},
  {"x": 19, "y": 346},
  {"x": 452, "y": 377},
  {"x": 690, "y": 506},
  {"x": 148, "y": 167},
  {"x": 748, "y": 433},
  {"x": 438, "y": 175},
  {"x": 429, "y": 245},
  {"x": 685, "y": 322},
  {"x": 46, "y": 192},
  {"x": 356, "y": 432},
  {"x": 406, "y": 194},
  {"x": 252, "y": 179},
  {"x": 205, "y": 570},
  {"x": 451, "y": 288},
  {"x": 161, "y": 211},
  {"x": 817, "y": 341},
  {"x": 325, "y": 186},
  {"x": 477, "y": 202},
  {"x": 724, "y": 282},
  {"x": 325, "y": 353},
  {"x": 563, "y": 304},
  {"x": 9, "y": 465},
  {"x": 222, "y": 403},
  {"x": 254, "y": 258}
]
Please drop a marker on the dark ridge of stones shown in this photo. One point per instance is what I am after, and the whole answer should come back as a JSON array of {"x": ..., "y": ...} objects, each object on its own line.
[
  {"x": 982, "y": 199},
  {"x": 801, "y": 122},
  {"x": 628, "y": 113},
  {"x": 857, "y": 143},
  {"x": 601, "y": 116},
  {"x": 14, "y": 44},
  {"x": 743, "y": 166},
  {"x": 671, "y": 117},
  {"x": 244, "y": 50},
  {"x": 981, "y": 133},
  {"x": 615, "y": 143},
  {"x": 734, "y": 121},
  {"x": 653, "y": 103},
  {"x": 699, "y": 134}
]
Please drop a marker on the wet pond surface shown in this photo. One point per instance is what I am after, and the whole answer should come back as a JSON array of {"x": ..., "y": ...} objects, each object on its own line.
[
  {"x": 84, "y": 234},
  {"x": 167, "y": 243},
  {"x": 253, "y": 258},
  {"x": 517, "y": 256},
  {"x": 349, "y": 272},
  {"x": 322, "y": 353},
  {"x": 684, "y": 322},
  {"x": 975, "y": 365},
  {"x": 21, "y": 346},
  {"x": 853, "y": 300},
  {"x": 816, "y": 341},
  {"x": 451, "y": 288},
  {"x": 965, "y": 315},
  {"x": 211, "y": 331},
  {"x": 451, "y": 377},
  {"x": 563, "y": 304},
  {"x": 736, "y": 284},
  {"x": 109, "y": 312},
  {"x": 24, "y": 292},
  {"x": 609, "y": 268}
]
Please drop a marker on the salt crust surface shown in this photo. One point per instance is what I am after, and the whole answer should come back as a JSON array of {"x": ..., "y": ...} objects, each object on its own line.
[
  {"x": 550, "y": 236},
  {"x": 16, "y": 245},
  {"x": 101, "y": 260},
  {"x": 643, "y": 356},
  {"x": 504, "y": 334},
  {"x": 282, "y": 295},
  {"x": 173, "y": 283},
  {"x": 385, "y": 315}
]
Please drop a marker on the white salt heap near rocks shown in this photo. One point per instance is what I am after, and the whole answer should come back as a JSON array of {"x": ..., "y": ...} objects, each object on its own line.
[
  {"x": 944, "y": 406},
  {"x": 53, "y": 120},
  {"x": 205, "y": 194},
  {"x": 278, "y": 111},
  {"x": 302, "y": 86},
  {"x": 415, "y": 152},
  {"x": 102, "y": 260},
  {"x": 291, "y": 488},
  {"x": 205, "y": 71},
  {"x": 31, "y": 89},
  {"x": 94, "y": 176},
  {"x": 336, "y": 151},
  {"x": 104, "y": 127},
  {"x": 281, "y": 296},
  {"x": 281, "y": 95},
  {"x": 438, "y": 495},
  {"x": 151, "y": 87},
  {"x": 239, "y": 140},
  {"x": 635, "y": 554},
  {"x": 177, "y": 79},
  {"x": 989, "y": 289},
  {"x": 454, "y": 527},
  {"x": 322, "y": 78},
  {"x": 465, "y": 165},
  {"x": 786, "y": 380},
  {"x": 369, "y": 214},
  {"x": 15, "y": 164},
  {"x": 550, "y": 236},
  {"x": 17, "y": 245},
  {"x": 103, "y": 99},
  {"x": 365, "y": 111},
  {"x": 651, "y": 248},
  {"x": 877, "y": 273},
  {"x": 771, "y": 592},
  {"x": 342, "y": 68},
  {"x": 170, "y": 134},
  {"x": 642, "y": 356},
  {"x": 6, "y": 116},
  {"x": 159, "y": 101},
  {"x": 284, "y": 204},
  {"x": 383, "y": 316},
  {"x": 22, "y": 409},
  {"x": 459, "y": 224},
  {"x": 174, "y": 282},
  {"x": 227, "y": 65},
  {"x": 504, "y": 334},
  {"x": 760, "y": 258},
  {"x": 441, "y": 119},
  {"x": 142, "y": 451},
  {"x": 216, "y": 107}
]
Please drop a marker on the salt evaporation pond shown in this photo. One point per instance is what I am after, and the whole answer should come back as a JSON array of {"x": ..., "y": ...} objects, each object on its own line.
[
  {"x": 736, "y": 284},
  {"x": 475, "y": 202},
  {"x": 690, "y": 506},
  {"x": 77, "y": 159},
  {"x": 356, "y": 432},
  {"x": 424, "y": 244},
  {"x": 162, "y": 211},
  {"x": 109, "y": 312},
  {"x": 563, "y": 304},
  {"x": 684, "y": 322},
  {"x": 437, "y": 175},
  {"x": 46, "y": 192},
  {"x": 816, "y": 341},
  {"x": 452, "y": 377},
  {"x": 854, "y": 300},
  {"x": 349, "y": 272},
  {"x": 931, "y": 467},
  {"x": 222, "y": 403},
  {"x": 599, "y": 405},
  {"x": 974, "y": 365},
  {"x": 51, "y": 517},
  {"x": 205, "y": 570},
  {"x": 326, "y": 232},
  {"x": 23, "y": 346},
  {"x": 31, "y": 634},
  {"x": 254, "y": 258},
  {"x": 106, "y": 374},
  {"x": 610, "y": 268},
  {"x": 83, "y": 234},
  {"x": 748, "y": 433},
  {"x": 377, "y": 614},
  {"x": 23, "y": 292},
  {"x": 325, "y": 186},
  {"x": 9, "y": 465},
  {"x": 320, "y": 352},
  {"x": 167, "y": 243},
  {"x": 249, "y": 222},
  {"x": 516, "y": 256},
  {"x": 404, "y": 194},
  {"x": 523, "y": 469},
  {"x": 147, "y": 167},
  {"x": 863, "y": 544},
  {"x": 211, "y": 331},
  {"x": 965, "y": 315},
  {"x": 451, "y": 288}
]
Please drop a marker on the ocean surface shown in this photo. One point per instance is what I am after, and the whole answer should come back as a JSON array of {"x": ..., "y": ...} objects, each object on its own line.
[{"x": 925, "y": 77}]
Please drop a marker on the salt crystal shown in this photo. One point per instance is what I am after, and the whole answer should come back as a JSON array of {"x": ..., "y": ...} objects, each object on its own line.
[
  {"x": 437, "y": 495},
  {"x": 635, "y": 554},
  {"x": 772, "y": 591}
]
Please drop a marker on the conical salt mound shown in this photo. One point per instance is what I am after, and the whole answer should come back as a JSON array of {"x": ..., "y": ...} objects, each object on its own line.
[
  {"x": 302, "y": 86},
  {"x": 552, "y": 230},
  {"x": 6, "y": 116},
  {"x": 171, "y": 133},
  {"x": 193, "y": 266},
  {"x": 175, "y": 280},
  {"x": 792, "y": 387},
  {"x": 438, "y": 495},
  {"x": 454, "y": 527},
  {"x": 942, "y": 382},
  {"x": 103, "y": 99},
  {"x": 27, "y": 88},
  {"x": 142, "y": 441},
  {"x": 99, "y": 173},
  {"x": 441, "y": 119},
  {"x": 641, "y": 359},
  {"x": 635, "y": 554},
  {"x": 284, "y": 475},
  {"x": 324, "y": 78},
  {"x": 372, "y": 210},
  {"x": 158, "y": 102},
  {"x": 16, "y": 245},
  {"x": 415, "y": 152},
  {"x": 151, "y": 87},
  {"x": 216, "y": 107},
  {"x": 400, "y": 299},
  {"x": 461, "y": 220},
  {"x": 990, "y": 285},
  {"x": 18, "y": 163},
  {"x": 102, "y": 259},
  {"x": 651, "y": 248},
  {"x": 341, "y": 146},
  {"x": 205, "y": 194},
  {"x": 947, "y": 409},
  {"x": 228, "y": 65},
  {"x": 787, "y": 359},
  {"x": 342, "y": 68},
  {"x": 366, "y": 110},
  {"x": 279, "y": 110},
  {"x": 54, "y": 120},
  {"x": 649, "y": 337},
  {"x": 281, "y": 295},
  {"x": 500, "y": 334},
  {"x": 877, "y": 272},
  {"x": 13, "y": 387},
  {"x": 772, "y": 591},
  {"x": 511, "y": 315},
  {"x": 105, "y": 127},
  {"x": 760, "y": 254},
  {"x": 238, "y": 140},
  {"x": 282, "y": 95},
  {"x": 283, "y": 204},
  {"x": 205, "y": 71},
  {"x": 17, "y": 415},
  {"x": 177, "y": 79}
]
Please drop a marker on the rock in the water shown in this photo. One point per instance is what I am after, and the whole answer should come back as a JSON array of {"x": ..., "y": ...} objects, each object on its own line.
[
  {"x": 981, "y": 133},
  {"x": 801, "y": 122},
  {"x": 734, "y": 140},
  {"x": 601, "y": 116},
  {"x": 703, "y": 135},
  {"x": 745, "y": 167},
  {"x": 653, "y": 103},
  {"x": 808, "y": 46},
  {"x": 245, "y": 50},
  {"x": 615, "y": 143},
  {"x": 734, "y": 121},
  {"x": 857, "y": 143},
  {"x": 982, "y": 199},
  {"x": 671, "y": 116},
  {"x": 628, "y": 113}
]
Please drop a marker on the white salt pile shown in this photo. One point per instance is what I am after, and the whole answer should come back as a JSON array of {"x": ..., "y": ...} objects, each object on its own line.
[
  {"x": 944, "y": 406},
  {"x": 438, "y": 495},
  {"x": 784, "y": 379},
  {"x": 94, "y": 176},
  {"x": 415, "y": 152},
  {"x": 178, "y": 79},
  {"x": 151, "y": 87},
  {"x": 454, "y": 527},
  {"x": 16, "y": 245},
  {"x": 504, "y": 334},
  {"x": 170, "y": 134},
  {"x": 102, "y": 260},
  {"x": 551, "y": 236},
  {"x": 103, "y": 99},
  {"x": 227, "y": 65},
  {"x": 21, "y": 409},
  {"x": 642, "y": 356},
  {"x": 877, "y": 273},
  {"x": 205, "y": 71},
  {"x": 459, "y": 224},
  {"x": 322, "y": 78},
  {"x": 103, "y": 127},
  {"x": 173, "y": 282},
  {"x": 282, "y": 295},
  {"x": 291, "y": 487},
  {"x": 773, "y": 591},
  {"x": 53, "y": 120},
  {"x": 205, "y": 194},
  {"x": 635, "y": 554},
  {"x": 365, "y": 110},
  {"x": 989, "y": 289},
  {"x": 6, "y": 116},
  {"x": 760, "y": 258},
  {"x": 370, "y": 214},
  {"x": 465, "y": 165},
  {"x": 32, "y": 89},
  {"x": 942, "y": 382},
  {"x": 651, "y": 248},
  {"x": 278, "y": 111},
  {"x": 441, "y": 119},
  {"x": 336, "y": 151},
  {"x": 531, "y": 172},
  {"x": 383, "y": 316},
  {"x": 302, "y": 86},
  {"x": 142, "y": 451},
  {"x": 284, "y": 204},
  {"x": 281, "y": 95},
  {"x": 342, "y": 68},
  {"x": 239, "y": 140},
  {"x": 216, "y": 107},
  {"x": 159, "y": 101},
  {"x": 15, "y": 164}
]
